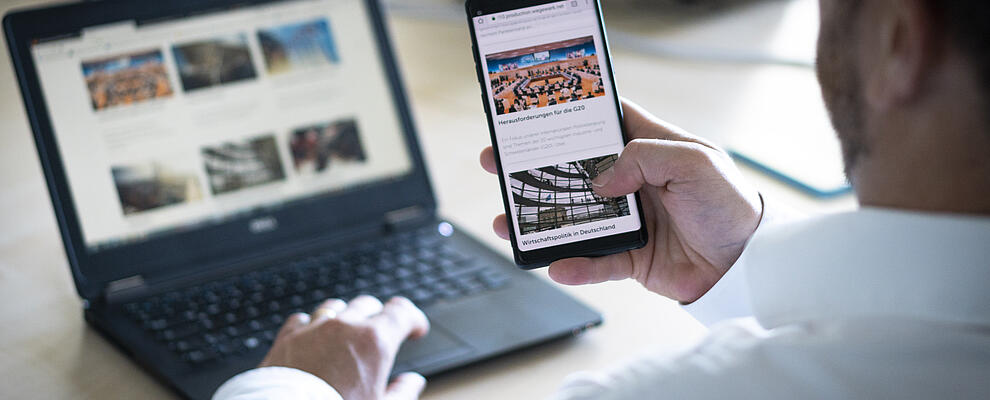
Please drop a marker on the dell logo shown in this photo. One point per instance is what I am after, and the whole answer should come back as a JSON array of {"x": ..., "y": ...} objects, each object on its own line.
[{"x": 263, "y": 225}]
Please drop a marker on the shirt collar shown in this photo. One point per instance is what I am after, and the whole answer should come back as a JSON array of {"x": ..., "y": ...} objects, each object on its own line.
[{"x": 872, "y": 263}]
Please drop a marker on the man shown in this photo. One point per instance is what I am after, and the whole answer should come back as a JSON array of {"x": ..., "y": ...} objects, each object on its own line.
[{"x": 890, "y": 301}]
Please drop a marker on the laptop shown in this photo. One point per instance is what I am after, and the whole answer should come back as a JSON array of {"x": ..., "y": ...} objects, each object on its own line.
[{"x": 216, "y": 165}]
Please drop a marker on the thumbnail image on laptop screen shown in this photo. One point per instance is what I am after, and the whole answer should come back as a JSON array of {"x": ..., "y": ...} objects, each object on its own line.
[{"x": 170, "y": 125}]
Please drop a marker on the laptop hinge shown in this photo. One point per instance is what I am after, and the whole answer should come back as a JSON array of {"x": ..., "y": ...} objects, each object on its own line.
[
  {"x": 404, "y": 216},
  {"x": 120, "y": 286}
]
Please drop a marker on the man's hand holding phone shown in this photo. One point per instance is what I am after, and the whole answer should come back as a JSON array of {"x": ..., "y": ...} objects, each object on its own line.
[{"x": 699, "y": 210}]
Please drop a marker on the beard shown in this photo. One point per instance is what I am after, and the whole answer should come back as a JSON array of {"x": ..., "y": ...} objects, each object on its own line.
[{"x": 839, "y": 77}]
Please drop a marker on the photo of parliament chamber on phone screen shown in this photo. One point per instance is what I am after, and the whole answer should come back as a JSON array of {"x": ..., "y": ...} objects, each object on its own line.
[{"x": 545, "y": 75}]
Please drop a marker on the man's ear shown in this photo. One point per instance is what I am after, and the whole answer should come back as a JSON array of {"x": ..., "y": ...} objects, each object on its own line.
[{"x": 900, "y": 48}]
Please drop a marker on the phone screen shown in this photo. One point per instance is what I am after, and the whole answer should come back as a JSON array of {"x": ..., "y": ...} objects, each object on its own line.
[{"x": 546, "y": 76}]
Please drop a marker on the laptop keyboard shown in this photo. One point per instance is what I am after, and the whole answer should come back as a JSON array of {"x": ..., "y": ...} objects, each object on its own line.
[{"x": 232, "y": 316}]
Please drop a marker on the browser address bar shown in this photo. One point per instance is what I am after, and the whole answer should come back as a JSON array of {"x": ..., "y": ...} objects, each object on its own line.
[{"x": 484, "y": 27}]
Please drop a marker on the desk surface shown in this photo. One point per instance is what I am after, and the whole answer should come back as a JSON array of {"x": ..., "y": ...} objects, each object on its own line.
[{"x": 47, "y": 351}]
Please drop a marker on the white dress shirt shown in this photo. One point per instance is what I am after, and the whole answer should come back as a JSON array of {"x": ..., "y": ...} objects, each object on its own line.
[{"x": 867, "y": 304}]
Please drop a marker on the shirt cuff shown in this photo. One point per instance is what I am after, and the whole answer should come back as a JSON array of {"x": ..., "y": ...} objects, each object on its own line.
[
  {"x": 275, "y": 383},
  {"x": 728, "y": 299}
]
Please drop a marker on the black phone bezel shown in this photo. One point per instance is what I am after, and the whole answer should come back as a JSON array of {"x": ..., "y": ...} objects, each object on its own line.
[{"x": 586, "y": 248}]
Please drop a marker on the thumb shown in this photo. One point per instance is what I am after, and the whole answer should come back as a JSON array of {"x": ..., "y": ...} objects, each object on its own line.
[
  {"x": 407, "y": 386},
  {"x": 654, "y": 162}
]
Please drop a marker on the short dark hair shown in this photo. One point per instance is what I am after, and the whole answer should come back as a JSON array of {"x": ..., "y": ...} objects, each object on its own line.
[{"x": 966, "y": 21}]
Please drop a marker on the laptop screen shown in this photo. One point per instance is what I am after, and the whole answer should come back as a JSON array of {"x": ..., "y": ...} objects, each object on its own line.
[{"x": 172, "y": 125}]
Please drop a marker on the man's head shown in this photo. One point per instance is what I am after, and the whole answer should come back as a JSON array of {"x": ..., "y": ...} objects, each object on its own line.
[
  {"x": 907, "y": 84},
  {"x": 839, "y": 75}
]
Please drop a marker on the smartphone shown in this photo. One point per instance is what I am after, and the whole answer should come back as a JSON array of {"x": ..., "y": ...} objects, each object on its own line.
[{"x": 556, "y": 124}]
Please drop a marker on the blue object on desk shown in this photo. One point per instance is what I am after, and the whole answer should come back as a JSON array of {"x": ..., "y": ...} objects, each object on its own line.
[{"x": 807, "y": 187}]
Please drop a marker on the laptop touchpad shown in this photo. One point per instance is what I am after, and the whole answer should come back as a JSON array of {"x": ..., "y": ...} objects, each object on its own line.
[{"x": 437, "y": 347}]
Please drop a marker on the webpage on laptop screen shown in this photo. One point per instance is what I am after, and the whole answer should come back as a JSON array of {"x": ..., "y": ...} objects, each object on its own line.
[{"x": 166, "y": 126}]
